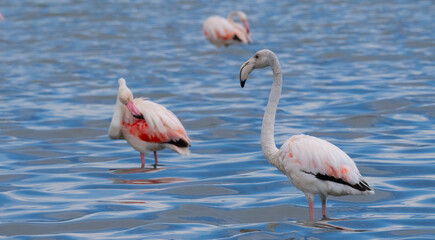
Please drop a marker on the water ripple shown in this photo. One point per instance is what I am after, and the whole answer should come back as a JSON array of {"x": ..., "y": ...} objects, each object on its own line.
[{"x": 358, "y": 74}]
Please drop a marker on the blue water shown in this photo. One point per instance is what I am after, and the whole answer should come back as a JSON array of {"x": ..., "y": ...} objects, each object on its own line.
[{"x": 359, "y": 74}]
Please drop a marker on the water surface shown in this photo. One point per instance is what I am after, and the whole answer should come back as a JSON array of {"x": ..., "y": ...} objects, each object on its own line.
[{"x": 359, "y": 74}]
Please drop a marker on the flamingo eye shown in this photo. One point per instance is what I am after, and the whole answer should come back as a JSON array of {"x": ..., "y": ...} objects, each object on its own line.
[{"x": 256, "y": 56}]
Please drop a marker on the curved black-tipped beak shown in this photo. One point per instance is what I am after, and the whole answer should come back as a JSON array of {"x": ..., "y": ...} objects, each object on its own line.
[{"x": 245, "y": 69}]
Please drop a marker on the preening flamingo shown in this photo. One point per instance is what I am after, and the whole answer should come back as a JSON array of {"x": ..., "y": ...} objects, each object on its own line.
[
  {"x": 147, "y": 126},
  {"x": 313, "y": 165},
  {"x": 224, "y": 32}
]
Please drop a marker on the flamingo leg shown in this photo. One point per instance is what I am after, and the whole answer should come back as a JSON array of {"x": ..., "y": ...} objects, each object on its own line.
[
  {"x": 155, "y": 159},
  {"x": 323, "y": 207},
  {"x": 311, "y": 208},
  {"x": 142, "y": 158}
]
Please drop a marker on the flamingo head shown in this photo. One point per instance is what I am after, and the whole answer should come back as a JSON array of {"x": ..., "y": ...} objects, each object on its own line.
[
  {"x": 242, "y": 17},
  {"x": 124, "y": 93},
  {"x": 244, "y": 20},
  {"x": 261, "y": 59}
]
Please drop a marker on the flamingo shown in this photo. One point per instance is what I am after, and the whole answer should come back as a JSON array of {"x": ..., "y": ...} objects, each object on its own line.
[
  {"x": 313, "y": 165},
  {"x": 147, "y": 126},
  {"x": 224, "y": 32}
]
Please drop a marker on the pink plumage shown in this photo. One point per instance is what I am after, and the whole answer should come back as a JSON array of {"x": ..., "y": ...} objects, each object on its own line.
[
  {"x": 147, "y": 126},
  {"x": 220, "y": 31},
  {"x": 309, "y": 159}
]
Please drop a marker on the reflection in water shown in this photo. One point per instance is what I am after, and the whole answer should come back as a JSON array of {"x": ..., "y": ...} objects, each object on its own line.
[
  {"x": 271, "y": 226},
  {"x": 132, "y": 202},
  {"x": 136, "y": 170},
  {"x": 320, "y": 224},
  {"x": 243, "y": 230},
  {"x": 151, "y": 181},
  {"x": 283, "y": 227},
  {"x": 324, "y": 224},
  {"x": 145, "y": 181}
]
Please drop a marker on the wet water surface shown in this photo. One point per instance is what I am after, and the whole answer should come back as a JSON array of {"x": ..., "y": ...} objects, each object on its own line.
[{"x": 358, "y": 74}]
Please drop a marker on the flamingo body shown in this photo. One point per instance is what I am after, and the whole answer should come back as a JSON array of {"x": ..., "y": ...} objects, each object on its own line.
[
  {"x": 313, "y": 165},
  {"x": 220, "y": 31},
  {"x": 316, "y": 166},
  {"x": 147, "y": 126}
]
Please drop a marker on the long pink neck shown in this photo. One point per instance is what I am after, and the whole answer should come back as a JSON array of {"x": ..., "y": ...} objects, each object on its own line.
[{"x": 267, "y": 128}]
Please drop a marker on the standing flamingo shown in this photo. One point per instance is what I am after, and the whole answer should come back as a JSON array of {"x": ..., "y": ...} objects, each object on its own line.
[
  {"x": 313, "y": 165},
  {"x": 224, "y": 32},
  {"x": 147, "y": 126}
]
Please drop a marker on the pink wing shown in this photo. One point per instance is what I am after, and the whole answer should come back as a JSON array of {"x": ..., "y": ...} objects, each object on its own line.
[
  {"x": 218, "y": 30},
  {"x": 322, "y": 159},
  {"x": 156, "y": 124}
]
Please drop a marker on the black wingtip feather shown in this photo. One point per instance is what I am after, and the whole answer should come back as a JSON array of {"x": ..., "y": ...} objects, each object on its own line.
[
  {"x": 236, "y": 38},
  {"x": 179, "y": 143},
  {"x": 361, "y": 186},
  {"x": 365, "y": 185},
  {"x": 138, "y": 116}
]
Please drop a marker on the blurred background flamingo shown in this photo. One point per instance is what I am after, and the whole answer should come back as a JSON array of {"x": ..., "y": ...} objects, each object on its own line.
[{"x": 220, "y": 31}]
